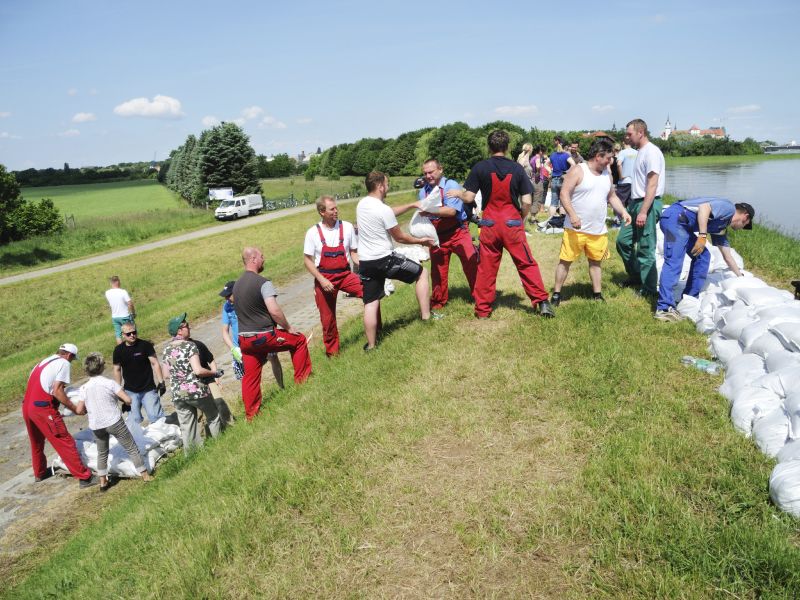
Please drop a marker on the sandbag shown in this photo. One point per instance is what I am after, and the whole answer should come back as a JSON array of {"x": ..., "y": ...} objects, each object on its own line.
[
  {"x": 782, "y": 382},
  {"x": 781, "y": 313},
  {"x": 689, "y": 307},
  {"x": 432, "y": 202},
  {"x": 788, "y": 334},
  {"x": 734, "y": 324},
  {"x": 765, "y": 345},
  {"x": 771, "y": 432},
  {"x": 784, "y": 486},
  {"x": 740, "y": 372},
  {"x": 791, "y": 451},
  {"x": 422, "y": 227},
  {"x": 780, "y": 359},
  {"x": 792, "y": 407},
  {"x": 764, "y": 296},
  {"x": 749, "y": 405},
  {"x": 736, "y": 283},
  {"x": 752, "y": 332},
  {"x": 723, "y": 348}
]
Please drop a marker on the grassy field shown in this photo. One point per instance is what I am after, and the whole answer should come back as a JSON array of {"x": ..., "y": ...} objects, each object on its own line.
[
  {"x": 688, "y": 161},
  {"x": 512, "y": 457},
  {"x": 297, "y": 185}
]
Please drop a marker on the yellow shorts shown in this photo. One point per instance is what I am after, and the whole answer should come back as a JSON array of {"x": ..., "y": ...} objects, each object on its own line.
[{"x": 575, "y": 243}]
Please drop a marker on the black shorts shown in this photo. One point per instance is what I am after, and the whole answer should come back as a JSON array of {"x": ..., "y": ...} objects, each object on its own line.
[
  {"x": 623, "y": 192},
  {"x": 374, "y": 273}
]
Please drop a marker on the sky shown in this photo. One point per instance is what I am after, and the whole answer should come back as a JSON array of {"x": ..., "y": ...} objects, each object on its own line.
[{"x": 98, "y": 83}]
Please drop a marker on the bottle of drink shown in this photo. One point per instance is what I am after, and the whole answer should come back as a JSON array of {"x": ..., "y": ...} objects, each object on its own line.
[{"x": 708, "y": 366}]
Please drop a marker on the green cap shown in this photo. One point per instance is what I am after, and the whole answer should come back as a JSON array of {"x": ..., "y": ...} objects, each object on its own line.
[{"x": 175, "y": 324}]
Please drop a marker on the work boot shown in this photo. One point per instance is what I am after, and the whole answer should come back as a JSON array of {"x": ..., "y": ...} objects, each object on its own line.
[
  {"x": 85, "y": 483},
  {"x": 546, "y": 310},
  {"x": 47, "y": 475},
  {"x": 555, "y": 299}
]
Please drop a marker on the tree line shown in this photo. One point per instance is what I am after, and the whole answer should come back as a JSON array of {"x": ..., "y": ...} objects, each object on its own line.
[
  {"x": 20, "y": 219},
  {"x": 70, "y": 176}
]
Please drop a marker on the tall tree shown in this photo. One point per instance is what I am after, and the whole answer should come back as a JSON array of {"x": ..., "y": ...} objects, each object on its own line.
[{"x": 226, "y": 159}]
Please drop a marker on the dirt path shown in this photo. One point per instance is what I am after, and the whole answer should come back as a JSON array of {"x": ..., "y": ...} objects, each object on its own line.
[{"x": 26, "y": 505}]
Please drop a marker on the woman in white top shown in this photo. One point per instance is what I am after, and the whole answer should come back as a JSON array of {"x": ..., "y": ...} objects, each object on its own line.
[{"x": 100, "y": 396}]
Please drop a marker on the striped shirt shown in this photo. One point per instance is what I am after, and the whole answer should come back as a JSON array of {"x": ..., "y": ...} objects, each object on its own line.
[{"x": 102, "y": 404}]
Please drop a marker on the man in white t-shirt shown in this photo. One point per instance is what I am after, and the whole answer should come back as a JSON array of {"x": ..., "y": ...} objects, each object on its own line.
[
  {"x": 122, "y": 309},
  {"x": 636, "y": 243},
  {"x": 626, "y": 160},
  {"x": 377, "y": 227},
  {"x": 45, "y": 390},
  {"x": 326, "y": 249},
  {"x": 585, "y": 195}
]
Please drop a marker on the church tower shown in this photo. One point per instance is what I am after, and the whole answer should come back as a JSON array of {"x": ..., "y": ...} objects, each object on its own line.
[{"x": 667, "y": 130}]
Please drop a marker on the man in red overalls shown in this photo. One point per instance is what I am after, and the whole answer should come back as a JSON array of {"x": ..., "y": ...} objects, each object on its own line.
[
  {"x": 45, "y": 390},
  {"x": 326, "y": 248},
  {"x": 451, "y": 225},
  {"x": 506, "y": 192}
]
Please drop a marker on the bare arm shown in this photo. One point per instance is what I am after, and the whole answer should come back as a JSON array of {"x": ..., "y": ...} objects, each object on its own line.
[
  {"x": 124, "y": 397},
  {"x": 617, "y": 205},
  {"x": 131, "y": 308},
  {"x": 444, "y": 211},
  {"x": 118, "y": 374},
  {"x": 354, "y": 256},
  {"x": 226, "y": 336},
  {"x": 572, "y": 179},
  {"x": 401, "y": 237},
  {"x": 277, "y": 315},
  {"x": 60, "y": 394},
  {"x": 402, "y": 208},
  {"x": 465, "y": 196},
  {"x": 198, "y": 369},
  {"x": 571, "y": 162},
  {"x": 727, "y": 256},
  {"x": 649, "y": 197},
  {"x": 323, "y": 281},
  {"x": 157, "y": 372},
  {"x": 525, "y": 202}
]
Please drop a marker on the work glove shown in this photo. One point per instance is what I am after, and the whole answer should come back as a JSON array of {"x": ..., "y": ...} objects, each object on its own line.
[
  {"x": 219, "y": 374},
  {"x": 126, "y": 407},
  {"x": 699, "y": 246},
  {"x": 236, "y": 353},
  {"x": 161, "y": 388}
]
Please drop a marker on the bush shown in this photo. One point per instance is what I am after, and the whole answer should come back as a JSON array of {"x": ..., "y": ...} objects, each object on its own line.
[{"x": 37, "y": 218}]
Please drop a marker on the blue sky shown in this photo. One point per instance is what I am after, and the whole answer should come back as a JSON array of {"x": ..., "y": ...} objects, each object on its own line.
[{"x": 96, "y": 83}]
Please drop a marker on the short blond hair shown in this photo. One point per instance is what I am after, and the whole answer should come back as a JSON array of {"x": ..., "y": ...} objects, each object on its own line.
[{"x": 321, "y": 202}]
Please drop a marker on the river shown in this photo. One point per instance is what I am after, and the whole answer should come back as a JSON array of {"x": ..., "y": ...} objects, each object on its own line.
[{"x": 770, "y": 186}]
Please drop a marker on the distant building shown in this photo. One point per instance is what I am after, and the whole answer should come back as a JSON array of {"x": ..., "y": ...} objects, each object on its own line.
[{"x": 694, "y": 131}]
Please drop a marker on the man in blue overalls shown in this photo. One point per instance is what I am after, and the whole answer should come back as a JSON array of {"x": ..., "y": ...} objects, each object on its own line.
[{"x": 686, "y": 226}]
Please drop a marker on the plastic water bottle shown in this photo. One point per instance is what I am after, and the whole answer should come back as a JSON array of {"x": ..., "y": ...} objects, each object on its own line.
[{"x": 708, "y": 366}]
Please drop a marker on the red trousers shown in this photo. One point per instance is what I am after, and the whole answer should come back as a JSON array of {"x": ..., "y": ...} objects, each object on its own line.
[
  {"x": 460, "y": 244},
  {"x": 493, "y": 240},
  {"x": 46, "y": 423},
  {"x": 254, "y": 354},
  {"x": 346, "y": 281}
]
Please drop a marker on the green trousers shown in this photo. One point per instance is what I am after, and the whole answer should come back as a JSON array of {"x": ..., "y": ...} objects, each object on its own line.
[{"x": 637, "y": 246}]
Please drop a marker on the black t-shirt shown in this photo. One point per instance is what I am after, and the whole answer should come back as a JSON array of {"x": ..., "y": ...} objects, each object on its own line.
[
  {"x": 249, "y": 303},
  {"x": 205, "y": 356},
  {"x": 480, "y": 178},
  {"x": 137, "y": 372}
]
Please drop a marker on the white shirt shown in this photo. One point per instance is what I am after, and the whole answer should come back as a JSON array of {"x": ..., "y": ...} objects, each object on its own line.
[
  {"x": 374, "y": 219},
  {"x": 313, "y": 245},
  {"x": 590, "y": 201},
  {"x": 626, "y": 160},
  {"x": 648, "y": 160},
  {"x": 58, "y": 370},
  {"x": 102, "y": 404},
  {"x": 118, "y": 301}
]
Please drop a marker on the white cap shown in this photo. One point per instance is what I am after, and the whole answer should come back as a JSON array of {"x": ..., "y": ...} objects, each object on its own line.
[{"x": 71, "y": 348}]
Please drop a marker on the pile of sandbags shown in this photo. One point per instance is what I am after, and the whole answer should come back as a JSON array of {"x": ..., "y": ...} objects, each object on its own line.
[
  {"x": 754, "y": 330},
  {"x": 154, "y": 442}
]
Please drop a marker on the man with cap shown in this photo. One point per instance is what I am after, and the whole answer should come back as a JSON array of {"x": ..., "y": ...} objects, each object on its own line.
[
  {"x": 136, "y": 363},
  {"x": 326, "y": 249},
  {"x": 46, "y": 389},
  {"x": 686, "y": 226},
  {"x": 230, "y": 335},
  {"x": 189, "y": 392},
  {"x": 263, "y": 329}
]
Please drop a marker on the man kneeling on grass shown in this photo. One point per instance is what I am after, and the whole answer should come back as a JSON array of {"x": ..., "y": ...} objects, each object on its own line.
[
  {"x": 585, "y": 195},
  {"x": 679, "y": 222}
]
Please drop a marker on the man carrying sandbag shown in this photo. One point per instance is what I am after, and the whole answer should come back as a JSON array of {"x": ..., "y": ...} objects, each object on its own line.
[
  {"x": 686, "y": 226},
  {"x": 450, "y": 221}
]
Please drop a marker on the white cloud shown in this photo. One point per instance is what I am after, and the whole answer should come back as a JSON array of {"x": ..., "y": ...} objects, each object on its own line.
[
  {"x": 657, "y": 18},
  {"x": 252, "y": 112},
  {"x": 69, "y": 133},
  {"x": 72, "y": 92},
  {"x": 4, "y": 135},
  {"x": 601, "y": 108},
  {"x": 239, "y": 121},
  {"x": 304, "y": 120},
  {"x": 83, "y": 117},
  {"x": 517, "y": 111},
  {"x": 160, "y": 107},
  {"x": 746, "y": 108},
  {"x": 272, "y": 123},
  {"x": 3, "y": 115},
  {"x": 210, "y": 121}
]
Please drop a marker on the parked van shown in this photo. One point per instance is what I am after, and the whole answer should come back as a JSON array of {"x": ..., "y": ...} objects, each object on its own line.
[{"x": 239, "y": 206}]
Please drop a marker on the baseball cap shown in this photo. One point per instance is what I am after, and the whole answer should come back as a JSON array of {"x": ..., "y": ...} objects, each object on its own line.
[
  {"x": 71, "y": 348},
  {"x": 227, "y": 290},
  {"x": 749, "y": 210},
  {"x": 175, "y": 324}
]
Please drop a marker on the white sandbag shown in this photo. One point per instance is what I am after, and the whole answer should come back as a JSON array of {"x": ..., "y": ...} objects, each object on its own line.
[
  {"x": 422, "y": 227},
  {"x": 781, "y": 313},
  {"x": 752, "y": 332},
  {"x": 710, "y": 302},
  {"x": 763, "y": 297},
  {"x": 788, "y": 334},
  {"x": 689, "y": 307},
  {"x": 792, "y": 407},
  {"x": 782, "y": 382},
  {"x": 741, "y": 372},
  {"x": 737, "y": 283},
  {"x": 432, "y": 202},
  {"x": 784, "y": 486},
  {"x": 751, "y": 404},
  {"x": 734, "y": 324},
  {"x": 705, "y": 325},
  {"x": 415, "y": 252},
  {"x": 739, "y": 311},
  {"x": 781, "y": 359},
  {"x": 765, "y": 345},
  {"x": 771, "y": 432},
  {"x": 718, "y": 262},
  {"x": 724, "y": 349},
  {"x": 791, "y": 451}
]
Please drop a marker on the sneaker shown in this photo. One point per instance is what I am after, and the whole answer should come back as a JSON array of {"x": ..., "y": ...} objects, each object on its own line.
[
  {"x": 368, "y": 349},
  {"x": 47, "y": 475},
  {"x": 668, "y": 316},
  {"x": 85, "y": 483},
  {"x": 599, "y": 298},
  {"x": 555, "y": 299},
  {"x": 435, "y": 316},
  {"x": 546, "y": 310},
  {"x": 630, "y": 283}
]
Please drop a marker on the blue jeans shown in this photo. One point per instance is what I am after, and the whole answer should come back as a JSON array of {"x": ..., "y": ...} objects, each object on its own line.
[
  {"x": 555, "y": 191},
  {"x": 679, "y": 238},
  {"x": 151, "y": 403}
]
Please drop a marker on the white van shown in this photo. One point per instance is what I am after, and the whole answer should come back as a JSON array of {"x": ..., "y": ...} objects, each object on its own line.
[{"x": 239, "y": 206}]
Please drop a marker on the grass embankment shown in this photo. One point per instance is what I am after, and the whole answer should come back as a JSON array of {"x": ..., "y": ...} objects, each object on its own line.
[
  {"x": 697, "y": 161},
  {"x": 107, "y": 216},
  {"x": 510, "y": 457},
  {"x": 283, "y": 187}
]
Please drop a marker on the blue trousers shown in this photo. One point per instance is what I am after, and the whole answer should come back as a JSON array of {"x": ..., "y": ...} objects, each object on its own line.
[
  {"x": 679, "y": 238},
  {"x": 151, "y": 403}
]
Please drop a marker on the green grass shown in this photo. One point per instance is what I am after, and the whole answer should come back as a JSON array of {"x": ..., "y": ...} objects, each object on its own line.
[
  {"x": 509, "y": 457},
  {"x": 285, "y": 186},
  {"x": 691, "y": 161}
]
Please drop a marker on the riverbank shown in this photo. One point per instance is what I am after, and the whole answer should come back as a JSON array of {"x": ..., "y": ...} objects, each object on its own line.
[{"x": 700, "y": 161}]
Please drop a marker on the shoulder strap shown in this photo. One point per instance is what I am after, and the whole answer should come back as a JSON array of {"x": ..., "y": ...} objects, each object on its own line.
[
  {"x": 321, "y": 237},
  {"x": 341, "y": 232}
]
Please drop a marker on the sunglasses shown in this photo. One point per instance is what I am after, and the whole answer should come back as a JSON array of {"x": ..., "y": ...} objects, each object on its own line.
[{"x": 129, "y": 332}]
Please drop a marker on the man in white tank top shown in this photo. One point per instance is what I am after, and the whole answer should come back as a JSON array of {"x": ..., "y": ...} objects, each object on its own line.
[{"x": 585, "y": 195}]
